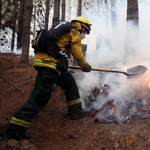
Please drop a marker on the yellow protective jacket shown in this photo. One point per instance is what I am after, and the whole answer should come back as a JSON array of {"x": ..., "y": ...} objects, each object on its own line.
[{"x": 73, "y": 38}]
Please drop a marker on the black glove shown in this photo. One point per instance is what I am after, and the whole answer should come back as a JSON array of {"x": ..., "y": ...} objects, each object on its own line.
[{"x": 87, "y": 68}]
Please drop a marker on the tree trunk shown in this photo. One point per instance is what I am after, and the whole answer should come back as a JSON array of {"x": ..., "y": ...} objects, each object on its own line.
[
  {"x": 114, "y": 22},
  {"x": 69, "y": 3},
  {"x": 56, "y": 11},
  {"x": 47, "y": 15},
  {"x": 20, "y": 24},
  {"x": 113, "y": 14},
  {"x": 63, "y": 10},
  {"x": 13, "y": 34},
  {"x": 107, "y": 13},
  {"x": 99, "y": 3},
  {"x": 79, "y": 7},
  {"x": 131, "y": 32},
  {"x": 0, "y": 14},
  {"x": 34, "y": 25},
  {"x": 132, "y": 11},
  {"x": 26, "y": 32},
  {"x": 79, "y": 14},
  {"x": 14, "y": 25}
]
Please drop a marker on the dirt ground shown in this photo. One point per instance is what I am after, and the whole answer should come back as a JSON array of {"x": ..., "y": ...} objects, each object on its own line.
[{"x": 50, "y": 130}]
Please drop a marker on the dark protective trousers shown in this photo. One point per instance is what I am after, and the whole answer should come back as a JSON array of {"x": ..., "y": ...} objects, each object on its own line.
[{"x": 39, "y": 97}]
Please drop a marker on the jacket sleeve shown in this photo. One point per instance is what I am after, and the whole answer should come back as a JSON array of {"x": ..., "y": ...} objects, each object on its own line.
[{"x": 76, "y": 48}]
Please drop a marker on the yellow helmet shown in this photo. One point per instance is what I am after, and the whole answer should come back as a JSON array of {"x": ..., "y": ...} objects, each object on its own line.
[{"x": 84, "y": 22}]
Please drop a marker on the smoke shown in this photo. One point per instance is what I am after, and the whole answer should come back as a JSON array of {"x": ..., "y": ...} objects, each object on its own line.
[{"x": 107, "y": 47}]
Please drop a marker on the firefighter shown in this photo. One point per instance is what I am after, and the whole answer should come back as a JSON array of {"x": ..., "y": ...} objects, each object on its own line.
[{"x": 48, "y": 75}]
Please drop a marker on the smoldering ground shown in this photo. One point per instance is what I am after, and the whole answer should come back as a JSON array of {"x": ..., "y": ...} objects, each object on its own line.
[{"x": 108, "y": 49}]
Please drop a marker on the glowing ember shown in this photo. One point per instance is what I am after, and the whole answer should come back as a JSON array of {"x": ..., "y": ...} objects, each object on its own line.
[
  {"x": 117, "y": 111},
  {"x": 101, "y": 90},
  {"x": 125, "y": 68}
]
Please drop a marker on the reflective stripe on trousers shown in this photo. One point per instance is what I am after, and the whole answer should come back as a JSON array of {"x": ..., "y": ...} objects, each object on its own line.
[
  {"x": 74, "y": 102},
  {"x": 20, "y": 122}
]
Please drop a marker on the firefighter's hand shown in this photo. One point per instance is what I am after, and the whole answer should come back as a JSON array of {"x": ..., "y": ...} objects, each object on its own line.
[
  {"x": 87, "y": 68},
  {"x": 33, "y": 42}
]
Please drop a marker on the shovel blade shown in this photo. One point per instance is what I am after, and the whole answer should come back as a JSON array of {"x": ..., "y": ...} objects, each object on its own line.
[{"x": 136, "y": 71}]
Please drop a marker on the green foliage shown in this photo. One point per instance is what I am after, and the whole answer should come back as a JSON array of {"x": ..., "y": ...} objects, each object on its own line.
[{"x": 10, "y": 9}]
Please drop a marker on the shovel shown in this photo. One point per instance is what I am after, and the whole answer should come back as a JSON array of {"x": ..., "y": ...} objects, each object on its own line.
[{"x": 133, "y": 72}]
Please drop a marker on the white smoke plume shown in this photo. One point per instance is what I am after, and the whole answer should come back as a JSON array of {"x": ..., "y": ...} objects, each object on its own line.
[{"x": 110, "y": 55}]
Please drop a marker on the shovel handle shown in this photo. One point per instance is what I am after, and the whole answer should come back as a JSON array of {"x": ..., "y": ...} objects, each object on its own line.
[{"x": 98, "y": 69}]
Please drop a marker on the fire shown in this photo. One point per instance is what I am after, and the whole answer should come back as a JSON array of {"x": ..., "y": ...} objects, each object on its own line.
[
  {"x": 112, "y": 108},
  {"x": 101, "y": 90},
  {"x": 111, "y": 92},
  {"x": 125, "y": 68},
  {"x": 124, "y": 109},
  {"x": 148, "y": 82}
]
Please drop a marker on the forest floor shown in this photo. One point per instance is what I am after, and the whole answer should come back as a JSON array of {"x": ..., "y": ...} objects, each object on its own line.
[{"x": 50, "y": 130}]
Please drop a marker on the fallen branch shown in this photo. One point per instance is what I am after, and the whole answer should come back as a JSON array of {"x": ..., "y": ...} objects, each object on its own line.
[
  {"x": 12, "y": 84},
  {"x": 130, "y": 116},
  {"x": 124, "y": 120},
  {"x": 101, "y": 107},
  {"x": 144, "y": 110}
]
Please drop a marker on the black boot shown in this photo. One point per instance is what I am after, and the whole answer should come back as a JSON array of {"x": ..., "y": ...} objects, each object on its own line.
[
  {"x": 80, "y": 114},
  {"x": 16, "y": 132}
]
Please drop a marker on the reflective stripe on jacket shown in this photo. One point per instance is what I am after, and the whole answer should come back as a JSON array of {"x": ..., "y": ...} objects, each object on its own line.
[{"x": 38, "y": 62}]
